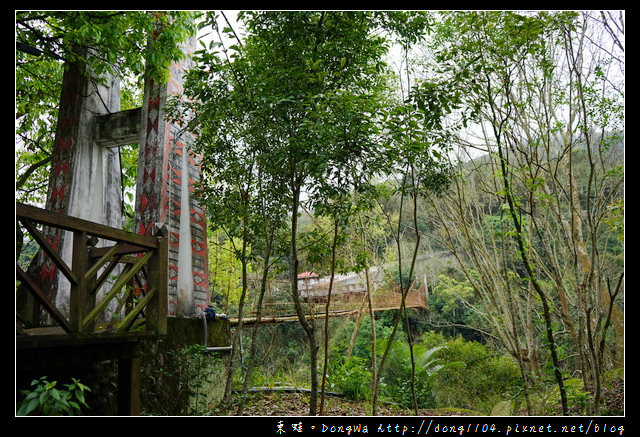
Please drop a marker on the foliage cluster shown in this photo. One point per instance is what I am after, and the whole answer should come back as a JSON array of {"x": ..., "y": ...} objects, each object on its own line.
[
  {"x": 47, "y": 398},
  {"x": 451, "y": 372},
  {"x": 351, "y": 377},
  {"x": 181, "y": 384},
  {"x": 316, "y": 155},
  {"x": 482, "y": 377}
]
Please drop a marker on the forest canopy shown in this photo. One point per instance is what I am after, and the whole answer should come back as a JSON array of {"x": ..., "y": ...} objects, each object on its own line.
[{"x": 479, "y": 155}]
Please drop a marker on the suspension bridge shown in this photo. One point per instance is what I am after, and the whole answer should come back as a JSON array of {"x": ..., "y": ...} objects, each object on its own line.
[{"x": 348, "y": 296}]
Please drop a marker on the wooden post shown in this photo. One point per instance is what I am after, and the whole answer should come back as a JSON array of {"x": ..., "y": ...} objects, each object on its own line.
[
  {"x": 158, "y": 307},
  {"x": 129, "y": 386},
  {"x": 78, "y": 298}
]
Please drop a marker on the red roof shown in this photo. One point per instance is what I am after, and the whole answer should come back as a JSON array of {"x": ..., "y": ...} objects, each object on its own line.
[{"x": 307, "y": 275}]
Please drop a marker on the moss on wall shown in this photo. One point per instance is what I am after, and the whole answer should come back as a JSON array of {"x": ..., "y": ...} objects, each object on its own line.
[{"x": 178, "y": 376}]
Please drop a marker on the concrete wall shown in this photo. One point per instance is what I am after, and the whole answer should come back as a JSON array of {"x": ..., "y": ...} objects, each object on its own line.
[
  {"x": 178, "y": 379},
  {"x": 85, "y": 180}
]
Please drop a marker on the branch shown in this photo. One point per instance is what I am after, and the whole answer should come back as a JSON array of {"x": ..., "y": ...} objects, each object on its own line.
[
  {"x": 31, "y": 50},
  {"x": 232, "y": 29}
]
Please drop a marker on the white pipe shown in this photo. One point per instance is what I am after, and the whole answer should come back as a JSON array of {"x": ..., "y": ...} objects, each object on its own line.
[
  {"x": 219, "y": 348},
  {"x": 204, "y": 342}
]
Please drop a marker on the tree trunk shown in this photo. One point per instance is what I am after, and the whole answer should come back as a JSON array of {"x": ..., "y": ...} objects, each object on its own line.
[
  {"x": 307, "y": 325},
  {"x": 534, "y": 281},
  {"x": 239, "y": 332},
  {"x": 252, "y": 352},
  {"x": 326, "y": 319},
  {"x": 374, "y": 390}
]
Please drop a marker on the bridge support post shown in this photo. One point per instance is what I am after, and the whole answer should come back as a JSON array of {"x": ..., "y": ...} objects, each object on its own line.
[
  {"x": 167, "y": 173},
  {"x": 129, "y": 386}
]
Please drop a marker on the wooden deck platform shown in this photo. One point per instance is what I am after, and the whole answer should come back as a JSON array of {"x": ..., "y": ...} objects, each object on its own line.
[{"x": 80, "y": 336}]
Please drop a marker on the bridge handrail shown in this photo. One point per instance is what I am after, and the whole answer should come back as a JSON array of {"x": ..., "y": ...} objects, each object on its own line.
[{"x": 90, "y": 268}]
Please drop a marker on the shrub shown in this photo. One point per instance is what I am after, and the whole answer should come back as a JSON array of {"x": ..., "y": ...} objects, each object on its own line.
[
  {"x": 485, "y": 378},
  {"x": 350, "y": 377},
  {"x": 46, "y": 399},
  {"x": 397, "y": 374}
]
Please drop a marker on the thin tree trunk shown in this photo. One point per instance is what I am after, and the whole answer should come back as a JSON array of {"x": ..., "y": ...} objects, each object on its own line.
[
  {"x": 354, "y": 333},
  {"x": 402, "y": 311},
  {"x": 404, "y": 294},
  {"x": 307, "y": 325},
  {"x": 374, "y": 390},
  {"x": 254, "y": 346},
  {"x": 534, "y": 282},
  {"x": 326, "y": 319},
  {"x": 239, "y": 332}
]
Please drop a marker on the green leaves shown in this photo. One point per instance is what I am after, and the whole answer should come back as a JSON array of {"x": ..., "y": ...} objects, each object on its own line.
[
  {"x": 48, "y": 400},
  {"x": 351, "y": 377},
  {"x": 397, "y": 374},
  {"x": 109, "y": 41},
  {"x": 112, "y": 41},
  {"x": 299, "y": 97}
]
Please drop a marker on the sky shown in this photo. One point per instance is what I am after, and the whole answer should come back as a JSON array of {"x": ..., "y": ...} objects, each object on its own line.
[{"x": 208, "y": 34}]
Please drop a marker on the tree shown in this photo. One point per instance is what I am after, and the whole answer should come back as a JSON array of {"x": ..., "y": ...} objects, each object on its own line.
[
  {"x": 416, "y": 147},
  {"x": 313, "y": 84},
  {"x": 239, "y": 196},
  {"x": 538, "y": 86},
  {"x": 318, "y": 68},
  {"x": 113, "y": 42}
]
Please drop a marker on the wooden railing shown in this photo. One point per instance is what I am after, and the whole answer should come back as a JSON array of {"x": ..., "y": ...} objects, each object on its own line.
[
  {"x": 347, "y": 298},
  {"x": 119, "y": 287}
]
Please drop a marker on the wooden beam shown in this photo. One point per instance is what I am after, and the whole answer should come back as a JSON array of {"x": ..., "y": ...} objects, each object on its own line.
[
  {"x": 50, "y": 251},
  {"x": 97, "y": 283},
  {"x": 69, "y": 223},
  {"x": 91, "y": 272},
  {"x": 122, "y": 280},
  {"x": 122, "y": 249},
  {"x": 40, "y": 296},
  {"x": 78, "y": 299},
  {"x": 130, "y": 317}
]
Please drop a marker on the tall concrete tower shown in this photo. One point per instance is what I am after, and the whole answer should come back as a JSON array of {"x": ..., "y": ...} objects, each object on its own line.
[
  {"x": 167, "y": 171},
  {"x": 85, "y": 179}
]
